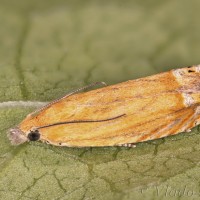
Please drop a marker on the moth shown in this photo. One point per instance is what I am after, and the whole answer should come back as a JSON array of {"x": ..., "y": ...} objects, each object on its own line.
[{"x": 118, "y": 115}]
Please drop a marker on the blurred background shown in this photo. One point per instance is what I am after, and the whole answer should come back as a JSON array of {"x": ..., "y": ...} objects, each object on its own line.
[{"x": 48, "y": 48}]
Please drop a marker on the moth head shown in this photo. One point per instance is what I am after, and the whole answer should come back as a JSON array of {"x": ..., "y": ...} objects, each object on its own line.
[{"x": 17, "y": 136}]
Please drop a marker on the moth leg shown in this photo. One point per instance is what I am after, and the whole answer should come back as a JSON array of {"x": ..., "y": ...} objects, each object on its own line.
[
  {"x": 131, "y": 145},
  {"x": 69, "y": 94}
]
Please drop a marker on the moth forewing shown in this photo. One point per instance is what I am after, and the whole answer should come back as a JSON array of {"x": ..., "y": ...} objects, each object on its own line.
[{"x": 134, "y": 111}]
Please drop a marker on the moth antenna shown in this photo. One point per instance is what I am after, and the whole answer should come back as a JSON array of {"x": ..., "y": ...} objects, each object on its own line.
[
  {"x": 78, "y": 121},
  {"x": 67, "y": 95}
]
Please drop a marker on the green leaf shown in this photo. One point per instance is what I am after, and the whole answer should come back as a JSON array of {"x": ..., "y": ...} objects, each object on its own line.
[{"x": 48, "y": 48}]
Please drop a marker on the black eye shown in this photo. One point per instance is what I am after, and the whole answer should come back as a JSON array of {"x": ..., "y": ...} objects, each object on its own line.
[{"x": 34, "y": 135}]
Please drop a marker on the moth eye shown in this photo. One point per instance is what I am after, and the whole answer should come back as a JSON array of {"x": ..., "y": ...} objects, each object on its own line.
[{"x": 34, "y": 135}]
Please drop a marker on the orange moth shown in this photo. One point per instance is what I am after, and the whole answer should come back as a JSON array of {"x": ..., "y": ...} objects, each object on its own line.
[{"x": 118, "y": 115}]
